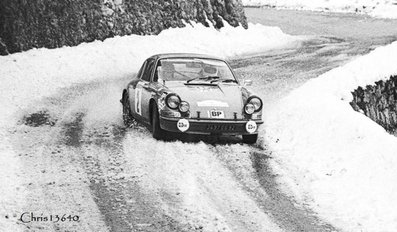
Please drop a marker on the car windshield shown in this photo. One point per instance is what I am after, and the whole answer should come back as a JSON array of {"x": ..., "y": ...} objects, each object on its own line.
[{"x": 193, "y": 69}]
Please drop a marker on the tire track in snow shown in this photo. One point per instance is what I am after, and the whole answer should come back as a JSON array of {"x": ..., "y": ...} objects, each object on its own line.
[
  {"x": 250, "y": 168},
  {"x": 118, "y": 195},
  {"x": 189, "y": 180},
  {"x": 97, "y": 139},
  {"x": 289, "y": 213}
]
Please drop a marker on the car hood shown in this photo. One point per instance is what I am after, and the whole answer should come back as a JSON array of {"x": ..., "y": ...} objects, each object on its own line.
[{"x": 203, "y": 98}]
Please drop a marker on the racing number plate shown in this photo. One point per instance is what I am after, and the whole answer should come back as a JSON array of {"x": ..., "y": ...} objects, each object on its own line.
[{"x": 216, "y": 114}]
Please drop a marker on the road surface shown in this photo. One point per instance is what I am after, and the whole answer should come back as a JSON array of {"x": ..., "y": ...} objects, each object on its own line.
[{"x": 79, "y": 159}]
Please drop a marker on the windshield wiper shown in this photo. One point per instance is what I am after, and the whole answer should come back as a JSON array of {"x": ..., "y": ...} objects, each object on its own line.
[
  {"x": 207, "y": 78},
  {"x": 224, "y": 80}
]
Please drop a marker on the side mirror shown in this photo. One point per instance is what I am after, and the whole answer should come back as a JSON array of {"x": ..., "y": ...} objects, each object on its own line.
[{"x": 247, "y": 82}]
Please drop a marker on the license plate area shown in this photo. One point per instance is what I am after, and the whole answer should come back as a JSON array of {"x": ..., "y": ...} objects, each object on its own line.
[
  {"x": 216, "y": 114},
  {"x": 220, "y": 127}
]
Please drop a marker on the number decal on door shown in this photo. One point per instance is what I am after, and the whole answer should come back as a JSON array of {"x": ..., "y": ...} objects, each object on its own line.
[{"x": 138, "y": 99}]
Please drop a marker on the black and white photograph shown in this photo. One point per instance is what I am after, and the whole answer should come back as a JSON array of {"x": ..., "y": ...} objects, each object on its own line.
[{"x": 198, "y": 115}]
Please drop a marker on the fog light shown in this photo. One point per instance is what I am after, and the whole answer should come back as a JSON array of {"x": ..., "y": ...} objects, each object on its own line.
[
  {"x": 249, "y": 108},
  {"x": 184, "y": 107}
]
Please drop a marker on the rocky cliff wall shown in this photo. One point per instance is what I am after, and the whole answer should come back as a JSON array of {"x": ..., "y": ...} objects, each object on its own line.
[
  {"x": 26, "y": 24},
  {"x": 379, "y": 102}
]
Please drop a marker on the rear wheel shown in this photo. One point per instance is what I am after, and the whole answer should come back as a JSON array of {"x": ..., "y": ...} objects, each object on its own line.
[
  {"x": 250, "y": 139},
  {"x": 127, "y": 118},
  {"x": 157, "y": 132}
]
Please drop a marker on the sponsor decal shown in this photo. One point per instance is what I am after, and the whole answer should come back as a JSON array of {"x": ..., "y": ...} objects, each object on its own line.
[
  {"x": 216, "y": 114},
  {"x": 251, "y": 127},
  {"x": 212, "y": 103},
  {"x": 183, "y": 125},
  {"x": 138, "y": 99}
]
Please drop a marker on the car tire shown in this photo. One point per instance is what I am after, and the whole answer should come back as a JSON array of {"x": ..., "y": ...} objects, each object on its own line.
[
  {"x": 127, "y": 118},
  {"x": 157, "y": 132},
  {"x": 250, "y": 139}
]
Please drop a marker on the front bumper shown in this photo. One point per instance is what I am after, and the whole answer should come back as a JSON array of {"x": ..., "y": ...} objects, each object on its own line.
[{"x": 209, "y": 126}]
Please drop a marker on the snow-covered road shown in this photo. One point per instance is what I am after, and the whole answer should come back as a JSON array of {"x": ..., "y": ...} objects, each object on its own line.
[
  {"x": 140, "y": 184},
  {"x": 119, "y": 179}
]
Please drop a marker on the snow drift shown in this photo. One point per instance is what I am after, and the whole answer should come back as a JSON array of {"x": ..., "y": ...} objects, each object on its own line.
[
  {"x": 375, "y": 8},
  {"x": 333, "y": 158}
]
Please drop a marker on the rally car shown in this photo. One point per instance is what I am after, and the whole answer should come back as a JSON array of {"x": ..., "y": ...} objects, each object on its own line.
[{"x": 192, "y": 94}]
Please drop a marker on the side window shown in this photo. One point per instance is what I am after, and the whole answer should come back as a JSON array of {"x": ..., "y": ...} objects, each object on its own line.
[
  {"x": 148, "y": 70},
  {"x": 156, "y": 71}
]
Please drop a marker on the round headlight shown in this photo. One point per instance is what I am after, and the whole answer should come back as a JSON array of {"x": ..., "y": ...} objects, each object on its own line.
[
  {"x": 256, "y": 101},
  {"x": 249, "y": 108},
  {"x": 172, "y": 100},
  {"x": 184, "y": 107}
]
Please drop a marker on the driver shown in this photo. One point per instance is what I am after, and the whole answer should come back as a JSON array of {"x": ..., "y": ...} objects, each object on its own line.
[{"x": 209, "y": 71}]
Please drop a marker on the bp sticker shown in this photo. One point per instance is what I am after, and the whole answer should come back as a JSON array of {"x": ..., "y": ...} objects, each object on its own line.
[
  {"x": 251, "y": 127},
  {"x": 183, "y": 125}
]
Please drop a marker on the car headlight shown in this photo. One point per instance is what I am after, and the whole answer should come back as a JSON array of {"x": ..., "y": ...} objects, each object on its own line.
[
  {"x": 256, "y": 101},
  {"x": 172, "y": 100},
  {"x": 184, "y": 107},
  {"x": 249, "y": 108}
]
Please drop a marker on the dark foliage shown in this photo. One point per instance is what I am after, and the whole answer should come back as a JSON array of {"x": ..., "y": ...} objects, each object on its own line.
[
  {"x": 26, "y": 24},
  {"x": 378, "y": 102}
]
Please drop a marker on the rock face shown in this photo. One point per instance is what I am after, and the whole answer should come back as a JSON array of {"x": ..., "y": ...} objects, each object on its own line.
[
  {"x": 26, "y": 24},
  {"x": 378, "y": 102}
]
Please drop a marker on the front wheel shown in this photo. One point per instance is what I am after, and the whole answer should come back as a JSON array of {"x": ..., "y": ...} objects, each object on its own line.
[
  {"x": 250, "y": 139},
  {"x": 127, "y": 118},
  {"x": 157, "y": 132}
]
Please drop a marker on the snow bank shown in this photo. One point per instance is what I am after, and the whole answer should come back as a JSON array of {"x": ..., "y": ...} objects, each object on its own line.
[
  {"x": 28, "y": 76},
  {"x": 375, "y": 8},
  {"x": 385, "y": 11},
  {"x": 333, "y": 158}
]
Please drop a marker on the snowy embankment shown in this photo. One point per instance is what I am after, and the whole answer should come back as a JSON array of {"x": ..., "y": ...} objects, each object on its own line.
[
  {"x": 333, "y": 158},
  {"x": 375, "y": 8},
  {"x": 29, "y": 76}
]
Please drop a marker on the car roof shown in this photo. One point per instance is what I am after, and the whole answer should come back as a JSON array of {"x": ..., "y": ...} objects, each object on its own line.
[{"x": 184, "y": 55}]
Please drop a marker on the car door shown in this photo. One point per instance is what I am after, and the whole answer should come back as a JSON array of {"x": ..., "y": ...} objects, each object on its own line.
[
  {"x": 142, "y": 92},
  {"x": 135, "y": 95}
]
